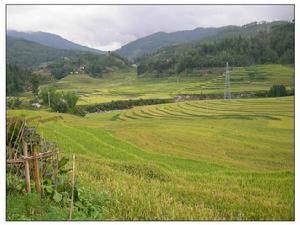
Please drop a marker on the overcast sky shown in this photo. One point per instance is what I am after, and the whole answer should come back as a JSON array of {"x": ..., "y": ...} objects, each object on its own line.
[{"x": 108, "y": 27}]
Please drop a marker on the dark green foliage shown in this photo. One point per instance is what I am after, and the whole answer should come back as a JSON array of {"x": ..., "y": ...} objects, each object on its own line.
[
  {"x": 122, "y": 104},
  {"x": 35, "y": 83},
  {"x": 17, "y": 79},
  {"x": 277, "y": 90},
  {"x": 95, "y": 70},
  {"x": 274, "y": 47},
  {"x": 61, "y": 68}
]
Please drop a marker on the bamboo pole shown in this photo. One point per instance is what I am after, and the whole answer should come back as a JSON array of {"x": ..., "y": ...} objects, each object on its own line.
[
  {"x": 26, "y": 164},
  {"x": 73, "y": 184},
  {"x": 36, "y": 169}
]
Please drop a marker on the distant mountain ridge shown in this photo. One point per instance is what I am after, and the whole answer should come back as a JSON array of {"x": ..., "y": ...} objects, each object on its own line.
[
  {"x": 158, "y": 40},
  {"x": 31, "y": 54},
  {"x": 59, "y": 62},
  {"x": 153, "y": 42},
  {"x": 239, "y": 47},
  {"x": 50, "y": 40}
]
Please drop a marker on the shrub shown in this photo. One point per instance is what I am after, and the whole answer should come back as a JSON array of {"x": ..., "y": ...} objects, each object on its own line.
[
  {"x": 59, "y": 101},
  {"x": 13, "y": 102},
  {"x": 121, "y": 104},
  {"x": 277, "y": 90}
]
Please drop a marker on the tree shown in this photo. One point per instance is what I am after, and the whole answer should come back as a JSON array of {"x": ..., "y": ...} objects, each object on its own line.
[
  {"x": 277, "y": 90},
  {"x": 71, "y": 98},
  {"x": 35, "y": 83},
  {"x": 47, "y": 94},
  {"x": 59, "y": 101},
  {"x": 17, "y": 79}
]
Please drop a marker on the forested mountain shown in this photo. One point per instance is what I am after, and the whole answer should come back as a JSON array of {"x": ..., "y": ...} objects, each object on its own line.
[
  {"x": 151, "y": 43},
  {"x": 24, "y": 56},
  {"x": 30, "y": 54},
  {"x": 50, "y": 40},
  {"x": 157, "y": 40},
  {"x": 275, "y": 45}
]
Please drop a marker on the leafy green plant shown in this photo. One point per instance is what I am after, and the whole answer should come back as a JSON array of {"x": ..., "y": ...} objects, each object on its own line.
[
  {"x": 14, "y": 183},
  {"x": 90, "y": 205},
  {"x": 13, "y": 102}
]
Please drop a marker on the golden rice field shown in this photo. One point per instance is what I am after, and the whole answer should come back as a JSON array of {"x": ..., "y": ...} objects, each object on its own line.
[{"x": 193, "y": 160}]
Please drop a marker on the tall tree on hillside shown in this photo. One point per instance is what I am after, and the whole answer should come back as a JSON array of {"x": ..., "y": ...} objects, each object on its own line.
[
  {"x": 17, "y": 79},
  {"x": 35, "y": 83}
]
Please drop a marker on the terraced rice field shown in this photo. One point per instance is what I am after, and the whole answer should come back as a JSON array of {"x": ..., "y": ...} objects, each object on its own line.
[
  {"x": 200, "y": 160},
  {"x": 125, "y": 84},
  {"x": 208, "y": 109}
]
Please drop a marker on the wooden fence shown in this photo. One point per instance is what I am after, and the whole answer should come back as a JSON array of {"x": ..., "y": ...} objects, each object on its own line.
[{"x": 28, "y": 154}]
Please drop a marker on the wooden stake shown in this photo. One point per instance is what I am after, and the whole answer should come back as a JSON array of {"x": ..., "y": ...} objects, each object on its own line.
[
  {"x": 36, "y": 169},
  {"x": 73, "y": 185},
  {"x": 26, "y": 164},
  {"x": 55, "y": 171}
]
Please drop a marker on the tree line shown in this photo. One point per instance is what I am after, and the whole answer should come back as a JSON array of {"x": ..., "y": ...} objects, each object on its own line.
[{"x": 120, "y": 104}]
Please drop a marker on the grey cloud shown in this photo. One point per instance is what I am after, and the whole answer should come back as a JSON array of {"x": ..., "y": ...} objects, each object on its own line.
[{"x": 108, "y": 27}]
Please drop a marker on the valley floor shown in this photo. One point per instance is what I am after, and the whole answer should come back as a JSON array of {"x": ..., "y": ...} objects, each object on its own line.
[{"x": 194, "y": 160}]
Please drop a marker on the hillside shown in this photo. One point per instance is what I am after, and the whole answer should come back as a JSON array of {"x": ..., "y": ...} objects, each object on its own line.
[
  {"x": 92, "y": 64},
  {"x": 50, "y": 40},
  {"x": 274, "y": 46},
  {"x": 31, "y": 54},
  {"x": 157, "y": 40},
  {"x": 60, "y": 62},
  {"x": 25, "y": 58},
  {"x": 153, "y": 42}
]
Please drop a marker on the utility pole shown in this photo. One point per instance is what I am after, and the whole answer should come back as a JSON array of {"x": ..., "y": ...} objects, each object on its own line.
[
  {"x": 49, "y": 99},
  {"x": 227, "y": 91}
]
